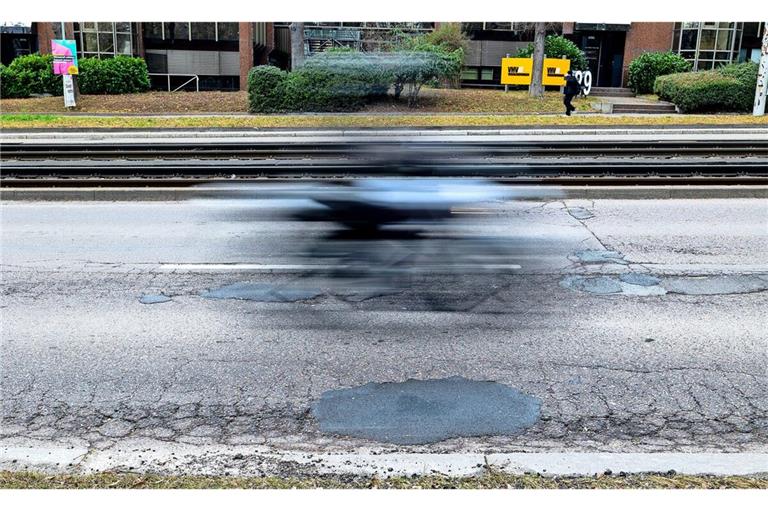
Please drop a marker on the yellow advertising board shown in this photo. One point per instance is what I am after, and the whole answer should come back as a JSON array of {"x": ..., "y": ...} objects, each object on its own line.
[
  {"x": 554, "y": 71},
  {"x": 517, "y": 71}
]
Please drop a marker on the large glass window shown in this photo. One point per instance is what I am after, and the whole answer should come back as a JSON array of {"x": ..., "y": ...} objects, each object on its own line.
[
  {"x": 708, "y": 45},
  {"x": 104, "y": 39}
]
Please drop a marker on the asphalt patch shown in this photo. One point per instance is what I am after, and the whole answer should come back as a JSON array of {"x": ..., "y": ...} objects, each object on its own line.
[
  {"x": 580, "y": 213},
  {"x": 631, "y": 283},
  {"x": 426, "y": 411},
  {"x": 260, "y": 293},
  {"x": 154, "y": 299},
  {"x": 639, "y": 279},
  {"x": 715, "y": 285}
]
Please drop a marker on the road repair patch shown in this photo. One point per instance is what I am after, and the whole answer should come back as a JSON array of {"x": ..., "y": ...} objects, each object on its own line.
[
  {"x": 260, "y": 293},
  {"x": 426, "y": 411},
  {"x": 635, "y": 283}
]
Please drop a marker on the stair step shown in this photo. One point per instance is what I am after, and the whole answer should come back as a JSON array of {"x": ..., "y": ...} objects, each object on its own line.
[{"x": 612, "y": 91}]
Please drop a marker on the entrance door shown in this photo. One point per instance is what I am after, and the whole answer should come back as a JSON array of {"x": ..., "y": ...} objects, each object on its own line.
[{"x": 605, "y": 56}]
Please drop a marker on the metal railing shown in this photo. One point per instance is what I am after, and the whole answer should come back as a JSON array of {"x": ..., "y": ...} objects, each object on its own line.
[{"x": 194, "y": 78}]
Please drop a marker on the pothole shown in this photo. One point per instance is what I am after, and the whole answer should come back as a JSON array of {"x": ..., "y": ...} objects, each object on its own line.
[
  {"x": 260, "y": 293},
  {"x": 426, "y": 411}
]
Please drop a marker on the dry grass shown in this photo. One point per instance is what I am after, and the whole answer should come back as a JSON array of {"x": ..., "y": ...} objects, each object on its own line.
[
  {"x": 27, "y": 121},
  {"x": 432, "y": 100},
  {"x": 490, "y": 480}
]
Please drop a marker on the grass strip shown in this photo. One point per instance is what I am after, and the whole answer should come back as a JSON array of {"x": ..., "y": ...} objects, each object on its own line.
[
  {"x": 489, "y": 480},
  {"x": 32, "y": 121}
]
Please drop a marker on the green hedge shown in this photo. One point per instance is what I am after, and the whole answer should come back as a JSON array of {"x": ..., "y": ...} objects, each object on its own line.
[
  {"x": 33, "y": 74},
  {"x": 117, "y": 75},
  {"x": 557, "y": 46},
  {"x": 645, "y": 69},
  {"x": 730, "y": 88},
  {"x": 346, "y": 80}
]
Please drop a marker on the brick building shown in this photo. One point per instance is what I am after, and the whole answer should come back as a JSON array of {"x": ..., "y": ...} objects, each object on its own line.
[{"x": 219, "y": 55}]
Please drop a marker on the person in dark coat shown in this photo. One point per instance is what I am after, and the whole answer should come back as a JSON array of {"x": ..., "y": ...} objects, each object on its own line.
[{"x": 572, "y": 88}]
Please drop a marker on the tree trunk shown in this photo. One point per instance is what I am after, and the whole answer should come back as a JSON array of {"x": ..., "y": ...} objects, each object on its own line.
[
  {"x": 297, "y": 45},
  {"x": 762, "y": 76},
  {"x": 537, "y": 89}
]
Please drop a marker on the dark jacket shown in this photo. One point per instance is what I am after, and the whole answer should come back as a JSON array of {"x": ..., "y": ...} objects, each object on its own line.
[{"x": 572, "y": 86}]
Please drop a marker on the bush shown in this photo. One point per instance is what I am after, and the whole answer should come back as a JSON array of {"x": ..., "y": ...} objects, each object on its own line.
[
  {"x": 730, "y": 88},
  {"x": 557, "y": 46},
  {"x": 644, "y": 70},
  {"x": 265, "y": 88},
  {"x": 345, "y": 80},
  {"x": 30, "y": 74},
  {"x": 449, "y": 37},
  {"x": 118, "y": 75},
  {"x": 33, "y": 74},
  {"x": 320, "y": 90}
]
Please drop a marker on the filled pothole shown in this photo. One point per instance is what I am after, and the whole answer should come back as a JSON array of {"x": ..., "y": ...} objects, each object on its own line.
[
  {"x": 635, "y": 283},
  {"x": 426, "y": 411},
  {"x": 260, "y": 293}
]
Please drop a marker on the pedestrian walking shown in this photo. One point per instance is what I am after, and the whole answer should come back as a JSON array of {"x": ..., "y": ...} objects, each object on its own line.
[{"x": 571, "y": 89}]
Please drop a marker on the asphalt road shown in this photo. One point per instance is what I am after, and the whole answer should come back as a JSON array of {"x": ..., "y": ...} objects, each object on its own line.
[{"x": 671, "y": 358}]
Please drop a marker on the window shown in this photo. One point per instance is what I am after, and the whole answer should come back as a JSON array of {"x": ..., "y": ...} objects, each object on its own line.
[
  {"x": 707, "y": 40},
  {"x": 486, "y": 74},
  {"x": 469, "y": 74},
  {"x": 228, "y": 31},
  {"x": 177, "y": 30},
  {"x": 104, "y": 40},
  {"x": 204, "y": 31},
  {"x": 153, "y": 30},
  {"x": 493, "y": 25},
  {"x": 688, "y": 39}
]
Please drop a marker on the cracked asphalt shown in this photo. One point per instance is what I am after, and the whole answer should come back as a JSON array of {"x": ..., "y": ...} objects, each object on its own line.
[{"x": 84, "y": 361}]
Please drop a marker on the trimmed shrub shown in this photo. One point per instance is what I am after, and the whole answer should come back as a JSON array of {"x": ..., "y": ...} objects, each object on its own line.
[
  {"x": 730, "y": 88},
  {"x": 345, "y": 80},
  {"x": 557, "y": 46},
  {"x": 33, "y": 74},
  {"x": 30, "y": 74},
  {"x": 644, "y": 70},
  {"x": 118, "y": 75},
  {"x": 322, "y": 90},
  {"x": 266, "y": 88}
]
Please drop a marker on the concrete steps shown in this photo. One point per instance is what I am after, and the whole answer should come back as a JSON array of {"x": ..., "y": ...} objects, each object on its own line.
[
  {"x": 637, "y": 108},
  {"x": 621, "y": 92}
]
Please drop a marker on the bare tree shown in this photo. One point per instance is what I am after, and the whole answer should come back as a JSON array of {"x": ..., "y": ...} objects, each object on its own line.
[
  {"x": 536, "y": 88},
  {"x": 297, "y": 45}
]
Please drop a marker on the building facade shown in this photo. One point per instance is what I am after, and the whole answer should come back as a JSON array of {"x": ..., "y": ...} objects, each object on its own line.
[{"x": 218, "y": 56}]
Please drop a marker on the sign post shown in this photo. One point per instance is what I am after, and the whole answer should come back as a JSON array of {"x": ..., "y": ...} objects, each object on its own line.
[
  {"x": 65, "y": 63},
  {"x": 762, "y": 76}
]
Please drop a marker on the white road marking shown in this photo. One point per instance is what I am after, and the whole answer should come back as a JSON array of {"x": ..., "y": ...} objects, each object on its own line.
[{"x": 273, "y": 267}]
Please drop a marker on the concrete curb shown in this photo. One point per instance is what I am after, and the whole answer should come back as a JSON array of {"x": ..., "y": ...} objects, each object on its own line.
[
  {"x": 22, "y": 454},
  {"x": 528, "y": 193}
]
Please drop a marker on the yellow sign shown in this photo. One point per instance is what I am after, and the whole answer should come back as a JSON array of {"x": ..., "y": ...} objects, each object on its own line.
[
  {"x": 554, "y": 71},
  {"x": 517, "y": 71}
]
